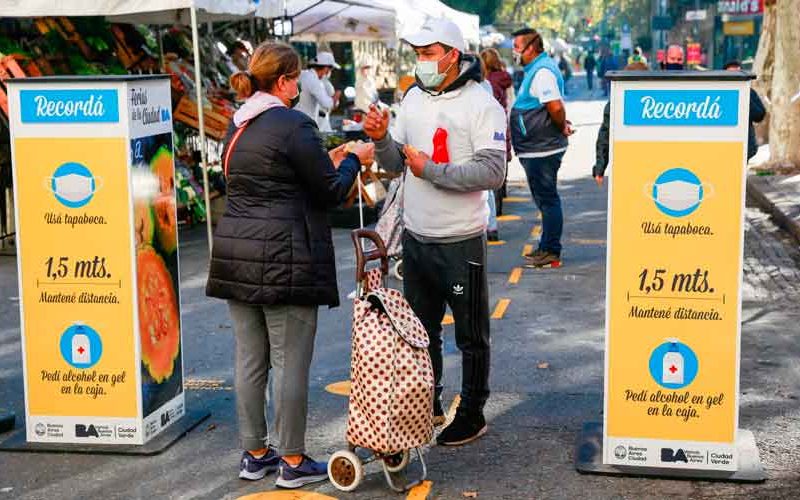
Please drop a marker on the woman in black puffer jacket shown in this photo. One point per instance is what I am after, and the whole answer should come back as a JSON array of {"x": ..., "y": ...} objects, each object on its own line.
[{"x": 273, "y": 257}]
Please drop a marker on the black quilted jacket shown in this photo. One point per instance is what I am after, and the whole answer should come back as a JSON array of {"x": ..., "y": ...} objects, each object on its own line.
[{"x": 273, "y": 244}]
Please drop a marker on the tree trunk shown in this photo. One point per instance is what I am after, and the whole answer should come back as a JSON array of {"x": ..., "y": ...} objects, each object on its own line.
[
  {"x": 784, "y": 134},
  {"x": 764, "y": 66}
]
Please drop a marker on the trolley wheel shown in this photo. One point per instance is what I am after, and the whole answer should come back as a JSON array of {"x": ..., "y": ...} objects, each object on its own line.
[
  {"x": 397, "y": 462},
  {"x": 345, "y": 470},
  {"x": 397, "y": 270}
]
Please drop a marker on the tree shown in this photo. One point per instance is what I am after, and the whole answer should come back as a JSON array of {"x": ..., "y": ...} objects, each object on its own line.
[
  {"x": 779, "y": 78},
  {"x": 486, "y": 9}
]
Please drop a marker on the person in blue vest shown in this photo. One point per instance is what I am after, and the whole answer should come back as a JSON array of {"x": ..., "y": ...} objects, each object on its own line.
[{"x": 539, "y": 132}]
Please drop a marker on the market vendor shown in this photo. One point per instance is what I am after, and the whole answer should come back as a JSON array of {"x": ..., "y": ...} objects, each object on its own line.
[
  {"x": 366, "y": 89},
  {"x": 317, "y": 96}
]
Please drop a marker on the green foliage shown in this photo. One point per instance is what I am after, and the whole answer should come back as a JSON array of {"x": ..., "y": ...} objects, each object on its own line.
[
  {"x": 572, "y": 19},
  {"x": 9, "y": 46},
  {"x": 486, "y": 9}
]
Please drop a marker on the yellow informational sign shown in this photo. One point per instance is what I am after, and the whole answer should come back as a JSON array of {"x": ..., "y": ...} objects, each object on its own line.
[
  {"x": 77, "y": 274},
  {"x": 97, "y": 258},
  {"x": 674, "y": 273}
]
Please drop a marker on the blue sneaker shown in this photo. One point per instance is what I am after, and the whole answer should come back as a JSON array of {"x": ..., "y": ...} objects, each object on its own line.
[
  {"x": 307, "y": 472},
  {"x": 253, "y": 468}
]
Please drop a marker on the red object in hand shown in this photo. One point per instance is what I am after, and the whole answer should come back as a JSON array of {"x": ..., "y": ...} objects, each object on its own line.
[{"x": 440, "y": 154}]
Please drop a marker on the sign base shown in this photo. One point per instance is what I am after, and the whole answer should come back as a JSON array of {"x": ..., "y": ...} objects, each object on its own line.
[
  {"x": 157, "y": 445},
  {"x": 6, "y": 420},
  {"x": 589, "y": 460}
]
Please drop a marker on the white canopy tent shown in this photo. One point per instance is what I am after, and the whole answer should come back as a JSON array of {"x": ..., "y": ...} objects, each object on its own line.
[
  {"x": 348, "y": 20},
  {"x": 188, "y": 12}
]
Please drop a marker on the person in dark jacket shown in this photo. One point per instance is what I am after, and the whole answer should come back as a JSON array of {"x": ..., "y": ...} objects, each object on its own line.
[
  {"x": 607, "y": 63},
  {"x": 273, "y": 257},
  {"x": 757, "y": 112},
  {"x": 589, "y": 64},
  {"x": 601, "y": 146}
]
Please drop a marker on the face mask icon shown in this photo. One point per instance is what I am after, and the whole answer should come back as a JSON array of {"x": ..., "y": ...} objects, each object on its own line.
[
  {"x": 678, "y": 195},
  {"x": 73, "y": 185},
  {"x": 678, "y": 192},
  {"x": 673, "y": 365}
]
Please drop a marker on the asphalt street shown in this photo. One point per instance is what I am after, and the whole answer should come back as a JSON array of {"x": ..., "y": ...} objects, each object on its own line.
[{"x": 547, "y": 372}]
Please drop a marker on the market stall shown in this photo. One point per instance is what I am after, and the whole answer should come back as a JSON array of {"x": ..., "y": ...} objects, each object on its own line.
[{"x": 189, "y": 12}]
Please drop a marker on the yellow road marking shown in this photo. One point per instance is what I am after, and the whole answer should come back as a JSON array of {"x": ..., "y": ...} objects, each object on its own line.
[
  {"x": 448, "y": 320},
  {"x": 500, "y": 309},
  {"x": 581, "y": 241},
  {"x": 496, "y": 243},
  {"x": 516, "y": 199},
  {"x": 536, "y": 231},
  {"x": 286, "y": 495},
  {"x": 339, "y": 388},
  {"x": 508, "y": 218},
  {"x": 451, "y": 412},
  {"x": 516, "y": 274},
  {"x": 527, "y": 249},
  {"x": 420, "y": 491}
]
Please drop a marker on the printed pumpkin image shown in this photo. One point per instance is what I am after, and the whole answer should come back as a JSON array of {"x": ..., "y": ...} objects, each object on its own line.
[
  {"x": 158, "y": 315},
  {"x": 166, "y": 222},
  {"x": 144, "y": 222},
  {"x": 162, "y": 166}
]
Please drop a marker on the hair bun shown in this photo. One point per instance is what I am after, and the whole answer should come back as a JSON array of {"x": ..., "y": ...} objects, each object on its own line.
[{"x": 242, "y": 83}]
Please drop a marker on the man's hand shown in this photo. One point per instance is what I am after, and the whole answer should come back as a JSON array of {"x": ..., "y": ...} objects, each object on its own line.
[
  {"x": 377, "y": 123},
  {"x": 568, "y": 130},
  {"x": 415, "y": 159},
  {"x": 599, "y": 180}
]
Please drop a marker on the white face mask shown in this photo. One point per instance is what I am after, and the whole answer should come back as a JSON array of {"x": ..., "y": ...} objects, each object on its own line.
[
  {"x": 74, "y": 187},
  {"x": 428, "y": 73},
  {"x": 678, "y": 195}
]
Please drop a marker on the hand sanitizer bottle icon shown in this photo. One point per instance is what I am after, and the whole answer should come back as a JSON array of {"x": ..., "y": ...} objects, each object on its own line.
[
  {"x": 81, "y": 354},
  {"x": 672, "y": 367}
]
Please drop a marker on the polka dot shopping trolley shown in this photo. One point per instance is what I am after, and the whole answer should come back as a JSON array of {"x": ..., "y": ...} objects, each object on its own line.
[{"x": 390, "y": 411}]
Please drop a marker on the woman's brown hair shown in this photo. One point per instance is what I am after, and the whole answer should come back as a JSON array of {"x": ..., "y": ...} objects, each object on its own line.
[
  {"x": 270, "y": 61},
  {"x": 491, "y": 57}
]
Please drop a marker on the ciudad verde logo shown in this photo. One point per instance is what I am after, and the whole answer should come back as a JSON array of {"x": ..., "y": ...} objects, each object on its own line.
[
  {"x": 73, "y": 185},
  {"x": 678, "y": 192}
]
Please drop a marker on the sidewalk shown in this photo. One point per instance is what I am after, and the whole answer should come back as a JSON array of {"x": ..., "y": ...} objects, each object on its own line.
[{"x": 779, "y": 195}]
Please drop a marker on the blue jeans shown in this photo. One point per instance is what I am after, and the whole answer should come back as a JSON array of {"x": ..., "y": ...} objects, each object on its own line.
[{"x": 542, "y": 176}]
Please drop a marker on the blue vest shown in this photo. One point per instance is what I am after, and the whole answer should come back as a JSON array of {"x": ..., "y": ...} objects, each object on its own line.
[{"x": 532, "y": 129}]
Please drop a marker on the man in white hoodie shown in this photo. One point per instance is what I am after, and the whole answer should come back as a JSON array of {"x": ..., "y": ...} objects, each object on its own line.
[{"x": 450, "y": 134}]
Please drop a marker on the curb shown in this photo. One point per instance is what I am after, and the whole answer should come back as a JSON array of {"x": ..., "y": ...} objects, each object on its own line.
[{"x": 758, "y": 194}]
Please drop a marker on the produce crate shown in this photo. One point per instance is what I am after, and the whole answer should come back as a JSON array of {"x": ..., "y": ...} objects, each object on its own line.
[
  {"x": 216, "y": 123},
  {"x": 14, "y": 66}
]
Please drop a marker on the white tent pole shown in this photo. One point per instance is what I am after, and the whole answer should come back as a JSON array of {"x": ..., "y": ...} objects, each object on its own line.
[
  {"x": 198, "y": 84},
  {"x": 360, "y": 201}
]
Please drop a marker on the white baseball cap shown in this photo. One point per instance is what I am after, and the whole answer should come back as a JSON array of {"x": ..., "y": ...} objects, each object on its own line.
[
  {"x": 437, "y": 31},
  {"x": 324, "y": 59}
]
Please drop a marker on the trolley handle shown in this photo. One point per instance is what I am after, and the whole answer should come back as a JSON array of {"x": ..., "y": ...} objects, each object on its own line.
[{"x": 362, "y": 258}]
